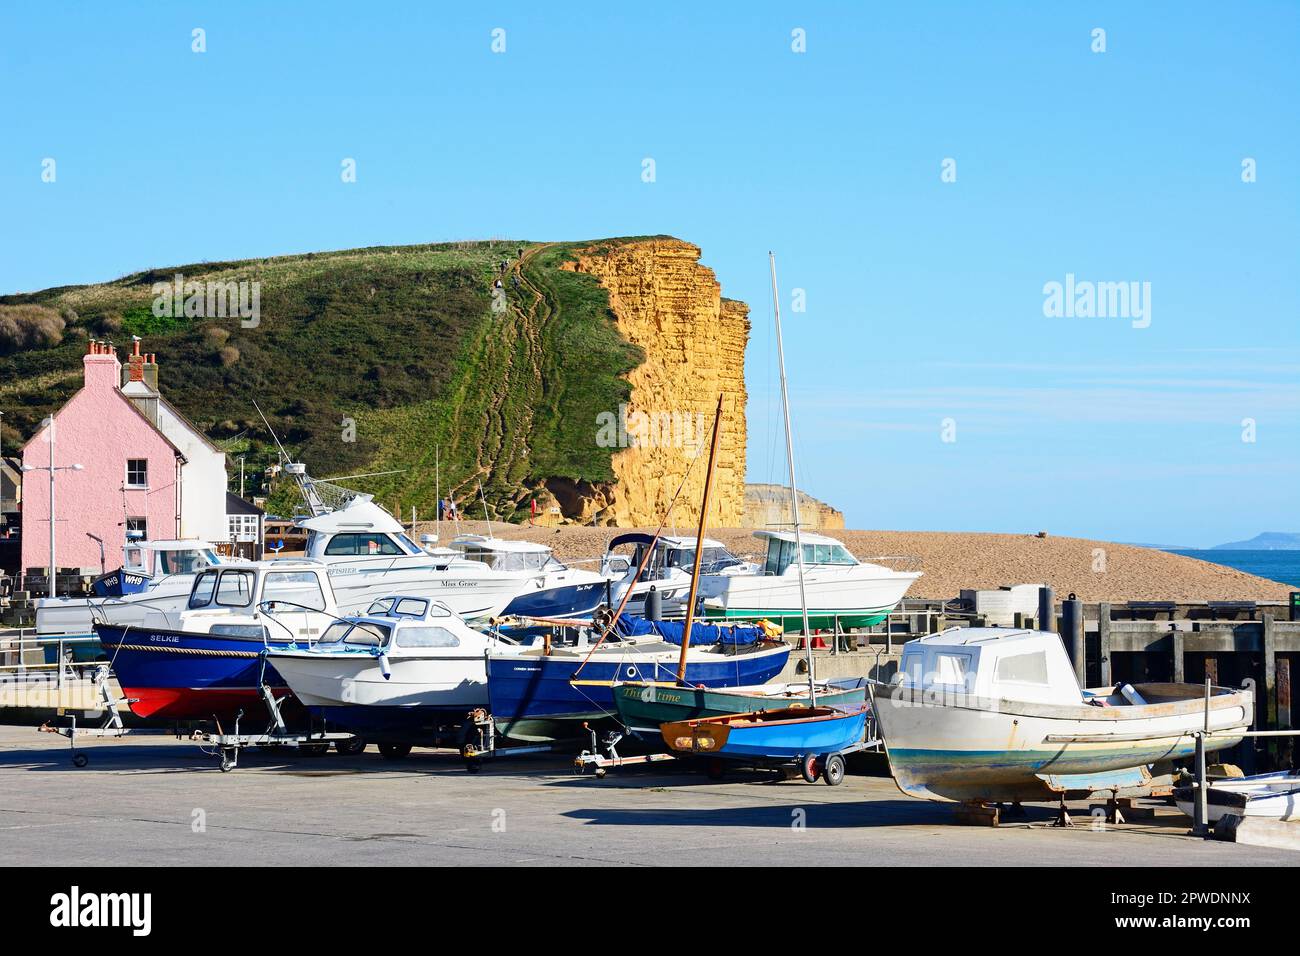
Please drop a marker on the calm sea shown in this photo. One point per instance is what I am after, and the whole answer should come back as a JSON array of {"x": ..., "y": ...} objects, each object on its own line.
[{"x": 1281, "y": 566}]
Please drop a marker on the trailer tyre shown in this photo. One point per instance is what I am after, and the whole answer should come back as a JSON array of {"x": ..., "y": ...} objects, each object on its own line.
[
  {"x": 833, "y": 772},
  {"x": 350, "y": 747},
  {"x": 80, "y": 760},
  {"x": 810, "y": 767},
  {"x": 395, "y": 751}
]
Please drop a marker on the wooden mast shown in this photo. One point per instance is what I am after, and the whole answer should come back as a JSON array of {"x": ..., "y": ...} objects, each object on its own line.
[
  {"x": 794, "y": 492},
  {"x": 699, "y": 544}
]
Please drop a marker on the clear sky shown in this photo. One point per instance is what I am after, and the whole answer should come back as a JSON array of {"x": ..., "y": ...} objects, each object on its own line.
[{"x": 924, "y": 298}]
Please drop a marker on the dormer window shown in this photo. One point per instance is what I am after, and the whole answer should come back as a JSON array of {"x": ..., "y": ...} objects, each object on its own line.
[{"x": 137, "y": 473}]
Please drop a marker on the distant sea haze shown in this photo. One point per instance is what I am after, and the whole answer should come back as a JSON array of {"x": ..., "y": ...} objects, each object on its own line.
[{"x": 1277, "y": 565}]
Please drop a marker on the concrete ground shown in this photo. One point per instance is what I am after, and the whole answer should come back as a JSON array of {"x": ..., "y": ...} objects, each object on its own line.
[{"x": 161, "y": 801}]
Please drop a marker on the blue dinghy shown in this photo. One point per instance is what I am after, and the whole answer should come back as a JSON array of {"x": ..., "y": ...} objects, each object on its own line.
[{"x": 788, "y": 734}]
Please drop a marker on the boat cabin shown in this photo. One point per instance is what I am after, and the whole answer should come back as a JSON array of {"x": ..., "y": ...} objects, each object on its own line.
[
  {"x": 283, "y": 585},
  {"x": 400, "y": 623},
  {"x": 818, "y": 551},
  {"x": 502, "y": 555},
  {"x": 993, "y": 663},
  {"x": 161, "y": 558},
  {"x": 671, "y": 553},
  {"x": 359, "y": 529}
]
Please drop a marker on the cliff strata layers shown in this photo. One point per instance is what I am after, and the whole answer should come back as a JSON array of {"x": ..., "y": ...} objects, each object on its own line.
[{"x": 694, "y": 341}]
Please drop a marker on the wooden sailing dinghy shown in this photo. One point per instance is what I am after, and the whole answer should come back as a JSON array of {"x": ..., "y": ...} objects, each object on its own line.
[{"x": 787, "y": 734}]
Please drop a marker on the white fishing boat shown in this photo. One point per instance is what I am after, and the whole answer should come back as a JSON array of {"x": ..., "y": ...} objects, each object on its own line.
[
  {"x": 839, "y": 588},
  {"x": 369, "y": 556},
  {"x": 994, "y": 714},
  {"x": 155, "y": 575},
  {"x": 668, "y": 568},
  {"x": 398, "y": 672},
  {"x": 1270, "y": 796},
  {"x": 547, "y": 587}
]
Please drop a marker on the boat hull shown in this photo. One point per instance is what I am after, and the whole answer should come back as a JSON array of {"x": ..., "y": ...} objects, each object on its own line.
[
  {"x": 788, "y": 738},
  {"x": 977, "y": 749},
  {"x": 1269, "y": 796},
  {"x": 532, "y": 697},
  {"x": 855, "y": 597},
  {"x": 642, "y": 708},
  {"x": 567, "y": 601},
  {"x": 185, "y": 675}
]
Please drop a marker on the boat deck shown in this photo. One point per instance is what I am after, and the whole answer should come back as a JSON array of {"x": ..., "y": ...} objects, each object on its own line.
[{"x": 135, "y": 805}]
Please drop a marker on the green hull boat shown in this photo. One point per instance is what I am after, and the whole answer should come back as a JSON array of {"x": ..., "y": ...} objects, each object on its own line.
[{"x": 643, "y": 707}]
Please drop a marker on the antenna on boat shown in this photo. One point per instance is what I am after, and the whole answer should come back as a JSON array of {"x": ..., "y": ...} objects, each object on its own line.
[
  {"x": 699, "y": 545},
  {"x": 437, "y": 491},
  {"x": 794, "y": 492}
]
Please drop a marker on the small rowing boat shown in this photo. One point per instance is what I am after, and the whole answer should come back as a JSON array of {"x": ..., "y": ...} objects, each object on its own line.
[
  {"x": 1271, "y": 796},
  {"x": 787, "y": 734}
]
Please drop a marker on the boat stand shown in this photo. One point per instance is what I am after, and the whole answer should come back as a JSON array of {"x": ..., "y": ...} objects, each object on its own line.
[
  {"x": 110, "y": 726},
  {"x": 277, "y": 734},
  {"x": 1062, "y": 815}
]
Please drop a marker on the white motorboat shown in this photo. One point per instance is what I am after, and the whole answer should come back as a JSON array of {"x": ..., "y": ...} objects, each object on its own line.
[
  {"x": 157, "y": 575},
  {"x": 398, "y": 672},
  {"x": 370, "y": 556},
  {"x": 839, "y": 588},
  {"x": 1271, "y": 796},
  {"x": 995, "y": 714},
  {"x": 548, "y": 588},
  {"x": 668, "y": 569}
]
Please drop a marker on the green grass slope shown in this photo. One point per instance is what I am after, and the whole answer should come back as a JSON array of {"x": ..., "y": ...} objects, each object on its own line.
[{"x": 404, "y": 341}]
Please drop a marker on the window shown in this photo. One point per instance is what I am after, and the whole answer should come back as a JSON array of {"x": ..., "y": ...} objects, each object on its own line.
[
  {"x": 253, "y": 631},
  {"x": 950, "y": 669},
  {"x": 361, "y": 544},
  {"x": 299, "y": 588},
  {"x": 1023, "y": 668},
  {"x": 426, "y": 637},
  {"x": 137, "y": 529},
  {"x": 242, "y": 527},
  {"x": 185, "y": 562},
  {"x": 204, "y": 587},
  {"x": 235, "y": 589},
  {"x": 137, "y": 473}
]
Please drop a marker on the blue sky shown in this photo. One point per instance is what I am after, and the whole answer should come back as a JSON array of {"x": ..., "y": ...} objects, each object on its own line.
[{"x": 924, "y": 298}]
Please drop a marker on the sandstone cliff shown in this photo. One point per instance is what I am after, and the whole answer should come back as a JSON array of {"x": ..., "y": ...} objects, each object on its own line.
[{"x": 694, "y": 341}]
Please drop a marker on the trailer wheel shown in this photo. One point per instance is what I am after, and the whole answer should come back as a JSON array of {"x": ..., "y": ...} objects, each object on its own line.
[
  {"x": 351, "y": 746},
  {"x": 600, "y": 773},
  {"x": 473, "y": 765},
  {"x": 810, "y": 767},
  {"x": 314, "y": 750},
  {"x": 833, "y": 772},
  {"x": 80, "y": 760},
  {"x": 394, "y": 751},
  {"x": 229, "y": 757}
]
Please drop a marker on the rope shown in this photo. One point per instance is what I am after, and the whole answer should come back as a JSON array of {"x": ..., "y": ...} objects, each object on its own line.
[{"x": 196, "y": 651}]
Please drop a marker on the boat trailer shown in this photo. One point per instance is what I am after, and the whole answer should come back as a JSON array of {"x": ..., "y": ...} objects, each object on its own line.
[
  {"x": 828, "y": 767},
  {"x": 225, "y": 745}
]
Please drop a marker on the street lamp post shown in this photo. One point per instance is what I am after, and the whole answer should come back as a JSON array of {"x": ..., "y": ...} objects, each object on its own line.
[{"x": 52, "y": 468}]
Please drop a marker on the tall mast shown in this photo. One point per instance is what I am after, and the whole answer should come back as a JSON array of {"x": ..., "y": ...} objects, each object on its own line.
[
  {"x": 794, "y": 492},
  {"x": 699, "y": 544},
  {"x": 437, "y": 492}
]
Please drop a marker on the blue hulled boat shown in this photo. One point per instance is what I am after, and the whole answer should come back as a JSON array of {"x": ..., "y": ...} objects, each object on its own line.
[
  {"x": 788, "y": 734},
  {"x": 535, "y": 691}
]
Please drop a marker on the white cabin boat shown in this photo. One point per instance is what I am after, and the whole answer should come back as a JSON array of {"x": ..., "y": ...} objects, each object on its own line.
[
  {"x": 395, "y": 672},
  {"x": 668, "y": 570},
  {"x": 994, "y": 714},
  {"x": 839, "y": 588},
  {"x": 547, "y": 588},
  {"x": 168, "y": 568},
  {"x": 370, "y": 556}
]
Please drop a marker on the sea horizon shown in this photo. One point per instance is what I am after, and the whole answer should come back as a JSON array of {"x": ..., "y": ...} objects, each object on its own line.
[{"x": 1276, "y": 565}]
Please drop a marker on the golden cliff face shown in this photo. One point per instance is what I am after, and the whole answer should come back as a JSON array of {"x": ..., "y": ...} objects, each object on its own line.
[{"x": 694, "y": 342}]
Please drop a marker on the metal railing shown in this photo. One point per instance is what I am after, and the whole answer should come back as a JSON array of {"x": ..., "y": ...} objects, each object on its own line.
[{"x": 64, "y": 665}]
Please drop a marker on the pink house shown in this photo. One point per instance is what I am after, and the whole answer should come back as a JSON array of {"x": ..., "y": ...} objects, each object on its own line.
[{"x": 130, "y": 474}]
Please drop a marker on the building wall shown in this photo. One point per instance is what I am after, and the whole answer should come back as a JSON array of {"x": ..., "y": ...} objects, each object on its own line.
[
  {"x": 203, "y": 481},
  {"x": 99, "y": 429}
]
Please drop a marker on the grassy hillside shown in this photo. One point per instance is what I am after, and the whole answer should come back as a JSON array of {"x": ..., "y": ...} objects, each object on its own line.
[{"x": 404, "y": 341}]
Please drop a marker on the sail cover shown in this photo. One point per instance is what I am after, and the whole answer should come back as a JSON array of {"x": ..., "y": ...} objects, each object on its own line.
[{"x": 738, "y": 635}]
